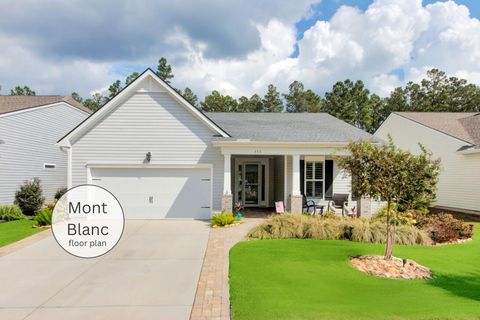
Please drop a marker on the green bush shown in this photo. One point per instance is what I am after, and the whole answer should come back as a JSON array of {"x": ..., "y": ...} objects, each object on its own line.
[
  {"x": 297, "y": 226},
  {"x": 11, "y": 212},
  {"x": 222, "y": 219},
  {"x": 398, "y": 217},
  {"x": 444, "y": 227},
  {"x": 60, "y": 192},
  {"x": 29, "y": 197},
  {"x": 44, "y": 217}
]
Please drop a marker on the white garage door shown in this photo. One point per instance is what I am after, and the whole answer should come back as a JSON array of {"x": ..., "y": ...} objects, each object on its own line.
[{"x": 158, "y": 193}]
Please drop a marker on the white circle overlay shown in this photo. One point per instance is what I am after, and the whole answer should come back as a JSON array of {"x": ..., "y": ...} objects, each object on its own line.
[{"x": 87, "y": 221}]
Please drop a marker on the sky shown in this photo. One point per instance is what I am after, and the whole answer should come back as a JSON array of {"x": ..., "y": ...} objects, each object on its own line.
[{"x": 236, "y": 47}]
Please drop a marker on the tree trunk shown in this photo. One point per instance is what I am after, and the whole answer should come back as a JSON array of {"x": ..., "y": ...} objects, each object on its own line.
[{"x": 389, "y": 245}]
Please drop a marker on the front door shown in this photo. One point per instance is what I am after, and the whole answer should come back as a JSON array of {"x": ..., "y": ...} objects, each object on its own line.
[{"x": 252, "y": 184}]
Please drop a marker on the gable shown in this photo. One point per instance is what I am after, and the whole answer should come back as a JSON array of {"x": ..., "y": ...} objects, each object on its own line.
[
  {"x": 407, "y": 134},
  {"x": 147, "y": 83},
  {"x": 146, "y": 118},
  {"x": 448, "y": 123}
]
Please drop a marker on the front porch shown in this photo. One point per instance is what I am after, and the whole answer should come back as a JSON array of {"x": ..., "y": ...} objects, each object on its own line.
[
  {"x": 258, "y": 174},
  {"x": 260, "y": 181}
]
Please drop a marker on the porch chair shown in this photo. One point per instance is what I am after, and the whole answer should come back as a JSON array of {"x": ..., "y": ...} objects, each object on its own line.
[
  {"x": 310, "y": 207},
  {"x": 339, "y": 201}
]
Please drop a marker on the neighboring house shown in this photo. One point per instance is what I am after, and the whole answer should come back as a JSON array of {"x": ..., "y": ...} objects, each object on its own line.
[
  {"x": 29, "y": 128},
  {"x": 454, "y": 137},
  {"x": 163, "y": 158}
]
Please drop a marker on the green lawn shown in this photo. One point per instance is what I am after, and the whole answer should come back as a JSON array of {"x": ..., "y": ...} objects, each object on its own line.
[
  {"x": 311, "y": 279},
  {"x": 16, "y": 230}
]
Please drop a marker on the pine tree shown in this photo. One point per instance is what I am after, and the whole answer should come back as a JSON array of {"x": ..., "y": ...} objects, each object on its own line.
[
  {"x": 272, "y": 101},
  {"x": 164, "y": 70}
]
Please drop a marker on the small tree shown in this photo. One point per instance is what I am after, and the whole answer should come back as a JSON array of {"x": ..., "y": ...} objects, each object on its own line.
[
  {"x": 272, "y": 101},
  {"x": 22, "y": 91},
  {"x": 164, "y": 70},
  {"x": 385, "y": 172},
  {"x": 29, "y": 197}
]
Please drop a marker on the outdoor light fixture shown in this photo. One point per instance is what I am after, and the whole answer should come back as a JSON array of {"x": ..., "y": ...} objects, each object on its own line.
[{"x": 148, "y": 156}]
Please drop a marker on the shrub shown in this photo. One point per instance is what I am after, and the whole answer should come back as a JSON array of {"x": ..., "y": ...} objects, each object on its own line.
[
  {"x": 59, "y": 193},
  {"x": 44, "y": 217},
  {"x": 329, "y": 214},
  {"x": 400, "y": 218},
  {"x": 51, "y": 205},
  {"x": 11, "y": 212},
  {"x": 296, "y": 226},
  {"x": 444, "y": 227},
  {"x": 29, "y": 197},
  {"x": 222, "y": 219}
]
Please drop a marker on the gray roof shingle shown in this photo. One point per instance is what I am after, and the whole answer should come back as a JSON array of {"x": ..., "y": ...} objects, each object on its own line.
[
  {"x": 289, "y": 127},
  {"x": 461, "y": 125},
  {"x": 17, "y": 103}
]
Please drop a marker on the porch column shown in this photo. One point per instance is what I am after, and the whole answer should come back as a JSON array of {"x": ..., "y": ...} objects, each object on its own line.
[
  {"x": 296, "y": 175},
  {"x": 227, "y": 175},
  {"x": 227, "y": 199},
  {"x": 296, "y": 199}
]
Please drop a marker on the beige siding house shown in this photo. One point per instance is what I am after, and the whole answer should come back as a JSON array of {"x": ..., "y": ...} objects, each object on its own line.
[
  {"x": 452, "y": 137},
  {"x": 163, "y": 158}
]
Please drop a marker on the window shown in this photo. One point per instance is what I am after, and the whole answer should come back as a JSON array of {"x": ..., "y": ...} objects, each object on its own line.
[
  {"x": 314, "y": 179},
  {"x": 49, "y": 166},
  {"x": 240, "y": 182},
  {"x": 263, "y": 182},
  {"x": 328, "y": 179}
]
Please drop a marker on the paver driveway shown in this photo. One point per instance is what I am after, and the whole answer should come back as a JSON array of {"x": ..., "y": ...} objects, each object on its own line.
[{"x": 151, "y": 274}]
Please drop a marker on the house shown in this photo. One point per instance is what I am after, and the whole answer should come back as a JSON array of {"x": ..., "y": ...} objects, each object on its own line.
[
  {"x": 163, "y": 158},
  {"x": 29, "y": 128},
  {"x": 454, "y": 137}
]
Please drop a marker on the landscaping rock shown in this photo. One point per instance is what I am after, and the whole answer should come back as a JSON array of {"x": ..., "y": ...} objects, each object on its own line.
[
  {"x": 458, "y": 241},
  {"x": 395, "y": 268}
]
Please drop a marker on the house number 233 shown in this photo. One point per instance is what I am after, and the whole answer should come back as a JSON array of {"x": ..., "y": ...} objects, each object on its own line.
[{"x": 257, "y": 151}]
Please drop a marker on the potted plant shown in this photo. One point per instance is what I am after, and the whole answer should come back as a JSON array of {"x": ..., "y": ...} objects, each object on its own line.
[{"x": 237, "y": 210}]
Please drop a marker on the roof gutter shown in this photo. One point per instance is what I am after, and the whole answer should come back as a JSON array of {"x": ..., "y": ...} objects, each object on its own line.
[
  {"x": 250, "y": 143},
  {"x": 469, "y": 151}
]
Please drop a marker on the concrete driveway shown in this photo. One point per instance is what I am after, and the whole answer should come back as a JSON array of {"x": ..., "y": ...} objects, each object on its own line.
[{"x": 152, "y": 273}]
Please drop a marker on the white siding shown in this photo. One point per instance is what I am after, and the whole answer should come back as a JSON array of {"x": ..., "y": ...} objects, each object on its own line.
[
  {"x": 459, "y": 184},
  {"x": 29, "y": 142},
  {"x": 149, "y": 122},
  {"x": 342, "y": 182},
  {"x": 271, "y": 182},
  {"x": 289, "y": 171}
]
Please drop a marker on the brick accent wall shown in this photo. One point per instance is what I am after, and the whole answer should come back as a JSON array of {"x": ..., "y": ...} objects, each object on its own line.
[
  {"x": 296, "y": 204},
  {"x": 227, "y": 202}
]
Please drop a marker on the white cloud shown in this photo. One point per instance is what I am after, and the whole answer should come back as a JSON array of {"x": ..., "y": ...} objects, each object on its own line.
[
  {"x": 371, "y": 45},
  {"x": 237, "y": 76},
  {"x": 390, "y": 35},
  {"x": 382, "y": 84},
  {"x": 451, "y": 42},
  {"x": 86, "y": 44}
]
